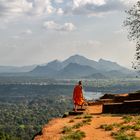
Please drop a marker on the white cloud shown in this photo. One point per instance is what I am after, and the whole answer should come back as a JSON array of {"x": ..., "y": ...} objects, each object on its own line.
[
  {"x": 60, "y": 11},
  {"x": 12, "y": 8},
  {"x": 59, "y": 1},
  {"x": 40, "y": 7},
  {"x": 79, "y": 3},
  {"x": 68, "y": 27},
  {"x": 129, "y": 2},
  {"x": 51, "y": 25},
  {"x": 97, "y": 7},
  {"x": 15, "y": 8}
]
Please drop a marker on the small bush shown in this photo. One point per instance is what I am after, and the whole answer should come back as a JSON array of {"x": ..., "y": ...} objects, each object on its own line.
[
  {"x": 77, "y": 135},
  {"x": 86, "y": 121},
  {"x": 122, "y": 136},
  {"x": 136, "y": 127},
  {"x": 78, "y": 125},
  {"x": 71, "y": 121},
  {"x": 78, "y": 117},
  {"x": 87, "y": 116},
  {"x": 107, "y": 127},
  {"x": 127, "y": 118},
  {"x": 66, "y": 129},
  {"x": 125, "y": 127},
  {"x": 102, "y": 126},
  {"x": 137, "y": 120},
  {"x": 116, "y": 125}
]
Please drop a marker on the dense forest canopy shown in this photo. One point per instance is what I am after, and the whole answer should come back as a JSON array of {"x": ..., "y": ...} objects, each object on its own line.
[{"x": 132, "y": 23}]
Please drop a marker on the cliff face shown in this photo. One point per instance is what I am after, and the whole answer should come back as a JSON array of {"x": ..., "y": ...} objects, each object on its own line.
[
  {"x": 88, "y": 123},
  {"x": 87, "y": 126},
  {"x": 52, "y": 130}
]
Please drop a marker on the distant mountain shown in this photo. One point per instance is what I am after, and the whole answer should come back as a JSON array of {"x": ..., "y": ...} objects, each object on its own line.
[
  {"x": 75, "y": 66},
  {"x": 78, "y": 67},
  {"x": 102, "y": 65},
  {"x": 74, "y": 70},
  {"x": 110, "y": 66},
  {"x": 15, "y": 69},
  {"x": 43, "y": 70},
  {"x": 56, "y": 65},
  {"x": 81, "y": 60},
  {"x": 96, "y": 76}
]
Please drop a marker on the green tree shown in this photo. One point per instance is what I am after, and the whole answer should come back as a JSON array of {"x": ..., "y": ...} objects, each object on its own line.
[{"x": 132, "y": 23}]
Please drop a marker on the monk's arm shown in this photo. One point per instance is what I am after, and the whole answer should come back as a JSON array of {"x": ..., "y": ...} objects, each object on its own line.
[{"x": 73, "y": 94}]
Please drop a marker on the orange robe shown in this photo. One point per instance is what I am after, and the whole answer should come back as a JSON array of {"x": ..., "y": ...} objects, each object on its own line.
[{"x": 78, "y": 95}]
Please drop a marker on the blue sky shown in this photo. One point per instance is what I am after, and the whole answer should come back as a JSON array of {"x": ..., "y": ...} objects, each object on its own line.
[{"x": 38, "y": 31}]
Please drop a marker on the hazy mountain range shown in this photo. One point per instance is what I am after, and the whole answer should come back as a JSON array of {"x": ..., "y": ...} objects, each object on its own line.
[
  {"x": 14, "y": 69},
  {"x": 74, "y": 67}
]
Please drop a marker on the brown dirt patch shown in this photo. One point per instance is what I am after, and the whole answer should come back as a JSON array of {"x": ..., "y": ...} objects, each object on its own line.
[{"x": 53, "y": 130}]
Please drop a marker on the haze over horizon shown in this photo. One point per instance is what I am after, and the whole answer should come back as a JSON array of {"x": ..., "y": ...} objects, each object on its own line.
[{"x": 39, "y": 31}]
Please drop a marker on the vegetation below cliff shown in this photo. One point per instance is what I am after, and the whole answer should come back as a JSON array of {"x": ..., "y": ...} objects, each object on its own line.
[{"x": 23, "y": 115}]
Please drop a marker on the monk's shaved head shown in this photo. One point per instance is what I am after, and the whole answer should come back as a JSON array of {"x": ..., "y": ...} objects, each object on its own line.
[{"x": 80, "y": 82}]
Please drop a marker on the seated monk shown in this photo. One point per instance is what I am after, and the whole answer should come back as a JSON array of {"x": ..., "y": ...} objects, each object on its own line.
[{"x": 78, "y": 98}]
